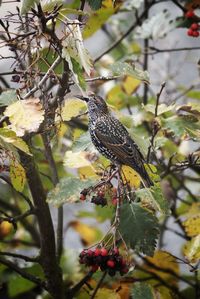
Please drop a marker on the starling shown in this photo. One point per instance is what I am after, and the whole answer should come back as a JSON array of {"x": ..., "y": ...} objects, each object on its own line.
[{"x": 112, "y": 139}]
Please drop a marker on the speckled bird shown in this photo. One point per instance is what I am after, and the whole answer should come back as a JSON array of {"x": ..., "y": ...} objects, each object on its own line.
[{"x": 112, "y": 139}]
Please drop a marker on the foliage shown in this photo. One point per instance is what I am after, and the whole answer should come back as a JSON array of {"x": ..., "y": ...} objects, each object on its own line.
[{"x": 56, "y": 192}]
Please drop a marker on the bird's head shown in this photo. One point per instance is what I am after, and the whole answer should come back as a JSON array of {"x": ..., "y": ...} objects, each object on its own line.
[{"x": 96, "y": 104}]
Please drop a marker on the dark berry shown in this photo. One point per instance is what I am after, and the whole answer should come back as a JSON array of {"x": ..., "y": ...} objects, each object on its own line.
[
  {"x": 110, "y": 264},
  {"x": 15, "y": 78},
  {"x": 94, "y": 268},
  {"x": 90, "y": 252},
  {"x": 82, "y": 197},
  {"x": 190, "y": 32},
  {"x": 104, "y": 251},
  {"x": 190, "y": 14},
  {"x": 194, "y": 26}
]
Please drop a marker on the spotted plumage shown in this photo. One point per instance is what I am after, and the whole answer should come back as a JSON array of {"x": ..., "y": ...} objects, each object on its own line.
[{"x": 112, "y": 139}]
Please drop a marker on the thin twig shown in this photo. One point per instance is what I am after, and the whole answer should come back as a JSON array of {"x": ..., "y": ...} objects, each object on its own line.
[
  {"x": 98, "y": 285},
  {"x": 44, "y": 79},
  {"x": 155, "y": 127}
]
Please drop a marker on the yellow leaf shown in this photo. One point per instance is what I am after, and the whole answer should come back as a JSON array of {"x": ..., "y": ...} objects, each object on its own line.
[
  {"x": 76, "y": 159},
  {"x": 192, "y": 222},
  {"x": 130, "y": 85},
  {"x": 191, "y": 249},
  {"x": 17, "y": 175},
  {"x": 25, "y": 116},
  {"x": 130, "y": 176},
  {"x": 72, "y": 108},
  {"x": 163, "y": 260},
  {"x": 89, "y": 234},
  {"x": 164, "y": 293},
  {"x": 107, "y": 293},
  {"x": 192, "y": 226},
  {"x": 115, "y": 97},
  {"x": 98, "y": 18},
  {"x": 86, "y": 172}
]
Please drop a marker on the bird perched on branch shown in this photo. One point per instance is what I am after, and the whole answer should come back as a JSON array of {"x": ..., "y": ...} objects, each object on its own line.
[{"x": 112, "y": 139}]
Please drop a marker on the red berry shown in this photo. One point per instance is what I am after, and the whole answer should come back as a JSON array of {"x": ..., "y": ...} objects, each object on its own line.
[
  {"x": 94, "y": 268},
  {"x": 116, "y": 251},
  {"x": 82, "y": 197},
  {"x": 195, "y": 33},
  {"x": 97, "y": 252},
  {"x": 194, "y": 26},
  {"x": 114, "y": 201},
  {"x": 124, "y": 270},
  {"x": 104, "y": 251},
  {"x": 110, "y": 263},
  {"x": 190, "y": 32},
  {"x": 90, "y": 252},
  {"x": 190, "y": 14}
]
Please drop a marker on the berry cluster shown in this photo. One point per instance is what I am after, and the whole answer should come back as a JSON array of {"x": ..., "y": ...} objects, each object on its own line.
[
  {"x": 100, "y": 258},
  {"x": 100, "y": 196},
  {"x": 194, "y": 28}
]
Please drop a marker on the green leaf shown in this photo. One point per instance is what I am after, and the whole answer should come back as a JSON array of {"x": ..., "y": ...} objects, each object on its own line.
[
  {"x": 68, "y": 190},
  {"x": 142, "y": 290},
  {"x": 139, "y": 228},
  {"x": 162, "y": 108},
  {"x": 124, "y": 68},
  {"x": 10, "y": 137},
  {"x": 79, "y": 72},
  {"x": 8, "y": 97},
  {"x": 26, "y": 5},
  {"x": 17, "y": 175},
  {"x": 83, "y": 143},
  {"x": 95, "y": 4},
  {"x": 18, "y": 285},
  {"x": 180, "y": 124},
  {"x": 154, "y": 197},
  {"x": 193, "y": 94}
]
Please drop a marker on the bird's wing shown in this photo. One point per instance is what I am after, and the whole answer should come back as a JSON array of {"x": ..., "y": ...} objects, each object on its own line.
[{"x": 116, "y": 138}]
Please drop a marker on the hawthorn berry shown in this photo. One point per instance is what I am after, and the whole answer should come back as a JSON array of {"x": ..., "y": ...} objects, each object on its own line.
[
  {"x": 116, "y": 251},
  {"x": 101, "y": 193},
  {"x": 114, "y": 201},
  {"x": 190, "y": 14},
  {"x": 97, "y": 252},
  {"x": 195, "y": 33},
  {"x": 194, "y": 26},
  {"x": 82, "y": 197},
  {"x": 190, "y": 32},
  {"x": 94, "y": 268},
  {"x": 104, "y": 251},
  {"x": 110, "y": 263}
]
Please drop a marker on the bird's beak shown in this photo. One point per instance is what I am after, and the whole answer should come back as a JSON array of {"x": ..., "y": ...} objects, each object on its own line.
[{"x": 86, "y": 99}]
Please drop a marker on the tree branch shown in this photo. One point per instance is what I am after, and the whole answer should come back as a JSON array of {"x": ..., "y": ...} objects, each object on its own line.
[{"x": 23, "y": 273}]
